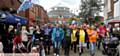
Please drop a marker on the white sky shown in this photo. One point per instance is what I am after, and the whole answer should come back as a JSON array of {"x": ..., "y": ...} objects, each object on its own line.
[
  {"x": 47, "y": 4},
  {"x": 72, "y": 4}
]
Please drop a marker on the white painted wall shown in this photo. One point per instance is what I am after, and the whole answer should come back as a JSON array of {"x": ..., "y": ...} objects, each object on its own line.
[
  {"x": 105, "y": 9},
  {"x": 109, "y": 5},
  {"x": 117, "y": 9}
]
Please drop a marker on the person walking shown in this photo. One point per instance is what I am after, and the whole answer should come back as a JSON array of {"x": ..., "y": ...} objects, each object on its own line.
[
  {"x": 39, "y": 39},
  {"x": 24, "y": 35},
  {"x": 92, "y": 34},
  {"x": 47, "y": 31},
  {"x": 85, "y": 27},
  {"x": 10, "y": 36},
  {"x": 74, "y": 39},
  {"x": 38, "y": 36},
  {"x": 57, "y": 37},
  {"x": 102, "y": 34},
  {"x": 67, "y": 40},
  {"x": 82, "y": 43},
  {"x": 18, "y": 46},
  {"x": 110, "y": 31}
]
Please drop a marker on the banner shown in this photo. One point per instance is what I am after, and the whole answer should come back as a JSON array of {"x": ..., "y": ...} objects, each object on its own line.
[{"x": 25, "y": 5}]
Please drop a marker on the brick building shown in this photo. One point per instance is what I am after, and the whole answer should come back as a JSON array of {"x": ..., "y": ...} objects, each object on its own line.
[{"x": 35, "y": 14}]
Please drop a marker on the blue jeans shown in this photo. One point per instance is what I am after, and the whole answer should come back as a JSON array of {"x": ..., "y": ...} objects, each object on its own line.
[
  {"x": 57, "y": 47},
  {"x": 81, "y": 45},
  {"x": 92, "y": 48}
]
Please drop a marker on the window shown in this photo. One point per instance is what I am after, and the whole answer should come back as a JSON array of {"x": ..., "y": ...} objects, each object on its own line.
[
  {"x": 55, "y": 8},
  {"x": 12, "y": 2},
  {"x": 64, "y": 8}
]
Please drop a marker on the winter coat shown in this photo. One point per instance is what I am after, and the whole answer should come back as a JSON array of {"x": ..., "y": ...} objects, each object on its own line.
[
  {"x": 68, "y": 33},
  {"x": 47, "y": 31},
  {"x": 38, "y": 35},
  {"x": 92, "y": 34},
  {"x": 57, "y": 34}
]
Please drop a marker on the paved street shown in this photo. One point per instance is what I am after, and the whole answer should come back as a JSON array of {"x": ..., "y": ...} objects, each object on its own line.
[
  {"x": 98, "y": 53},
  {"x": 86, "y": 53}
]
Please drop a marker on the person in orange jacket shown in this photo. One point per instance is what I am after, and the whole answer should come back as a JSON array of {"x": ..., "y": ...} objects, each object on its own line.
[{"x": 92, "y": 34}]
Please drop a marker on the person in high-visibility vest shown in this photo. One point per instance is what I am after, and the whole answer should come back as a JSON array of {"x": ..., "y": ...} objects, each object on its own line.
[
  {"x": 82, "y": 43},
  {"x": 92, "y": 34},
  {"x": 74, "y": 39}
]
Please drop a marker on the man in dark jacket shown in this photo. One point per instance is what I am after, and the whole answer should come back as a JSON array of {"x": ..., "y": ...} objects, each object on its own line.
[
  {"x": 67, "y": 40},
  {"x": 47, "y": 35},
  {"x": 10, "y": 36},
  {"x": 4, "y": 38}
]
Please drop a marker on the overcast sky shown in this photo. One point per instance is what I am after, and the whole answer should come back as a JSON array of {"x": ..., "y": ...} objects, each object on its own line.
[{"x": 72, "y": 4}]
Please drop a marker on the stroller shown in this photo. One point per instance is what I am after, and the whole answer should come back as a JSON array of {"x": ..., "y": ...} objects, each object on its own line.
[{"x": 110, "y": 46}]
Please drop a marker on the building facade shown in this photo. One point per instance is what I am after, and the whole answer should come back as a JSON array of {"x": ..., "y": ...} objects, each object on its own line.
[
  {"x": 112, "y": 12},
  {"x": 37, "y": 15},
  {"x": 108, "y": 9},
  {"x": 117, "y": 9},
  {"x": 59, "y": 13}
]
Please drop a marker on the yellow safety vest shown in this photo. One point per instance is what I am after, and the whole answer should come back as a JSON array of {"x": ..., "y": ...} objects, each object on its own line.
[
  {"x": 82, "y": 36},
  {"x": 73, "y": 37}
]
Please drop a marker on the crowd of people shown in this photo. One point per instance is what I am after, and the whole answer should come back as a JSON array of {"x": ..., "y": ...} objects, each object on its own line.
[{"x": 23, "y": 39}]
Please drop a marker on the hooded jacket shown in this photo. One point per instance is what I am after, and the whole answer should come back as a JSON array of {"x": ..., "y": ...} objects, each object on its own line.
[{"x": 57, "y": 34}]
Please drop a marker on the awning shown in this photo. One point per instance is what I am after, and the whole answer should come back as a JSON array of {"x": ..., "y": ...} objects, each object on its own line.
[
  {"x": 10, "y": 19},
  {"x": 15, "y": 19},
  {"x": 20, "y": 19},
  {"x": 114, "y": 21}
]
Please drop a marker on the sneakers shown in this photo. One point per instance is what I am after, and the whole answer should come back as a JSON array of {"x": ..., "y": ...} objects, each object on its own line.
[
  {"x": 92, "y": 54},
  {"x": 58, "y": 55},
  {"x": 55, "y": 54},
  {"x": 80, "y": 54}
]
